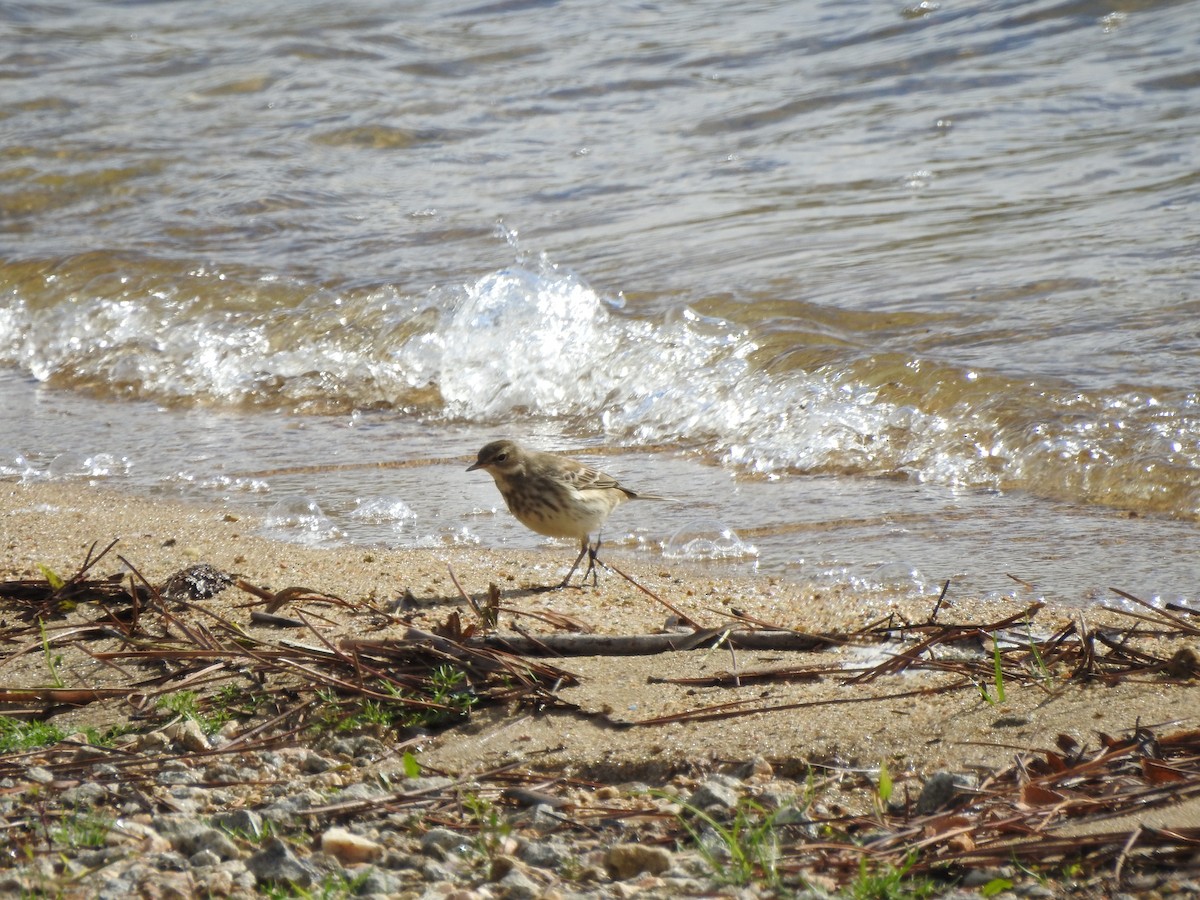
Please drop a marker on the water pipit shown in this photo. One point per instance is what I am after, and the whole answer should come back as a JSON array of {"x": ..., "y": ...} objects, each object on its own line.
[{"x": 555, "y": 496}]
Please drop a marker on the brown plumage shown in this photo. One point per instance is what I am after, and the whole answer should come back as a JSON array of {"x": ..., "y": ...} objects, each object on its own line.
[{"x": 555, "y": 496}]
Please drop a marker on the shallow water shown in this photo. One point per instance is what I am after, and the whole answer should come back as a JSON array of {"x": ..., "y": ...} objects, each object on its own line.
[{"x": 882, "y": 290}]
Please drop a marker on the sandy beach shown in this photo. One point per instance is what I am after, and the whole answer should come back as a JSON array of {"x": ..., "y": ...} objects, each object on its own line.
[{"x": 615, "y": 732}]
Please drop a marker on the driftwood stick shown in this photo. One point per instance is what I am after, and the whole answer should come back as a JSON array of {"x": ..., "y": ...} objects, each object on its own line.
[{"x": 646, "y": 644}]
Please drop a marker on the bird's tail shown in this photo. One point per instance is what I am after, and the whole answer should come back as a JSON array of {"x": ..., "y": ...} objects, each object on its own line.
[{"x": 635, "y": 495}]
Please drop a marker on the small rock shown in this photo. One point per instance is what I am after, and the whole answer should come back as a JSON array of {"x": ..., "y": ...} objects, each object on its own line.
[
  {"x": 87, "y": 753},
  {"x": 358, "y": 791},
  {"x": 225, "y": 773},
  {"x": 314, "y": 763},
  {"x": 756, "y": 769},
  {"x": 1141, "y": 882},
  {"x": 628, "y": 860},
  {"x": 213, "y": 882},
  {"x": 217, "y": 842},
  {"x": 348, "y": 848},
  {"x": 938, "y": 792},
  {"x": 438, "y": 842},
  {"x": 283, "y": 811},
  {"x": 181, "y": 831},
  {"x": 203, "y": 859},
  {"x": 39, "y": 775},
  {"x": 979, "y": 877},
  {"x": 543, "y": 854},
  {"x": 435, "y": 872},
  {"x": 792, "y": 815},
  {"x": 151, "y": 743},
  {"x": 543, "y": 819},
  {"x": 714, "y": 792},
  {"x": 380, "y": 884},
  {"x": 131, "y": 830},
  {"x": 87, "y": 794},
  {"x": 245, "y": 822},
  {"x": 188, "y": 735},
  {"x": 94, "y": 859},
  {"x": 168, "y": 861},
  {"x": 516, "y": 885},
  {"x": 277, "y": 863},
  {"x": 429, "y": 783},
  {"x": 398, "y": 859},
  {"x": 176, "y": 777},
  {"x": 1036, "y": 891}
]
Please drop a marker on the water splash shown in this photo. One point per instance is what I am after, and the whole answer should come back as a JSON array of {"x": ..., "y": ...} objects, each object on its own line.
[
  {"x": 300, "y": 520},
  {"x": 534, "y": 340},
  {"x": 707, "y": 539},
  {"x": 82, "y": 465},
  {"x": 13, "y": 464}
]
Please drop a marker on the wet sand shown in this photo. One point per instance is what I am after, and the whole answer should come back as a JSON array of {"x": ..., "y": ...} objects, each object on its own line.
[{"x": 826, "y": 720}]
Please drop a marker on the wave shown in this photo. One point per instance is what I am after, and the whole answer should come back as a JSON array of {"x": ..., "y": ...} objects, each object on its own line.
[{"x": 535, "y": 340}]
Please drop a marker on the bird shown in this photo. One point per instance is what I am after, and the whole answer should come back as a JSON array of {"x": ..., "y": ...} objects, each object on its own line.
[{"x": 555, "y": 496}]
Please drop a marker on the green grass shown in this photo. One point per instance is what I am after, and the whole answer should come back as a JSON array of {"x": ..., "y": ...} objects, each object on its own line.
[
  {"x": 19, "y": 734},
  {"x": 997, "y": 677},
  {"x": 448, "y": 687},
  {"x": 53, "y": 660},
  {"x": 492, "y": 831},
  {"x": 334, "y": 886},
  {"x": 81, "y": 830},
  {"x": 231, "y": 702},
  {"x": 741, "y": 851},
  {"x": 890, "y": 883}
]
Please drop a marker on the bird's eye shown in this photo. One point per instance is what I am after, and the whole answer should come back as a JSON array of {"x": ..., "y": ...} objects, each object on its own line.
[{"x": 501, "y": 457}]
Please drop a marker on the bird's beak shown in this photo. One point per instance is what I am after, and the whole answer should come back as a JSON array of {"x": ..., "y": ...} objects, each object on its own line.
[{"x": 475, "y": 465}]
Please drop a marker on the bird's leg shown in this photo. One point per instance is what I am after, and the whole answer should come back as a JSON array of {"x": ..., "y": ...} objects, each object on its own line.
[
  {"x": 584, "y": 548},
  {"x": 592, "y": 550}
]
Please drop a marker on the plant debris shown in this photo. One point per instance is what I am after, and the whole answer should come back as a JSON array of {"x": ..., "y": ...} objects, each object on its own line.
[{"x": 159, "y": 660}]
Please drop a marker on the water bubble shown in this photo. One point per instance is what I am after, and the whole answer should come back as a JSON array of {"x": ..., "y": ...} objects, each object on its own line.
[
  {"x": 237, "y": 485},
  {"x": 463, "y": 537},
  {"x": 79, "y": 465},
  {"x": 301, "y": 520},
  {"x": 899, "y": 575},
  {"x": 707, "y": 539},
  {"x": 68, "y": 465},
  {"x": 13, "y": 463},
  {"x": 383, "y": 511}
]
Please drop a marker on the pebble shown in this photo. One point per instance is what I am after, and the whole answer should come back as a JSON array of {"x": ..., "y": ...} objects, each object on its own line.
[
  {"x": 202, "y": 859},
  {"x": 168, "y": 861},
  {"x": 938, "y": 792},
  {"x": 517, "y": 885},
  {"x": 244, "y": 822},
  {"x": 543, "y": 854},
  {"x": 277, "y": 864},
  {"x": 213, "y": 845},
  {"x": 39, "y": 775},
  {"x": 717, "y": 792},
  {"x": 1036, "y": 891},
  {"x": 87, "y": 794},
  {"x": 439, "y": 842},
  {"x": 348, "y": 848},
  {"x": 625, "y": 861},
  {"x": 980, "y": 877},
  {"x": 188, "y": 735}
]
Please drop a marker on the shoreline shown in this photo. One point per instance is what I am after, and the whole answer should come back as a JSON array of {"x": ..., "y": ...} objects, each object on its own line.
[
  {"x": 855, "y": 708},
  {"x": 55, "y": 525}
]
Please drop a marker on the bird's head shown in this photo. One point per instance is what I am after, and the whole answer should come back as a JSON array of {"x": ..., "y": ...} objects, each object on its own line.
[{"x": 499, "y": 458}]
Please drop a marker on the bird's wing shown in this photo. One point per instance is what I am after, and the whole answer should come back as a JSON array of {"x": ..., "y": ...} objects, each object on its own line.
[{"x": 585, "y": 478}]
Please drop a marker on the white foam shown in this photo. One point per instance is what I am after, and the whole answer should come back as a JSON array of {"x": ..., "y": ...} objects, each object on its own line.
[{"x": 533, "y": 340}]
